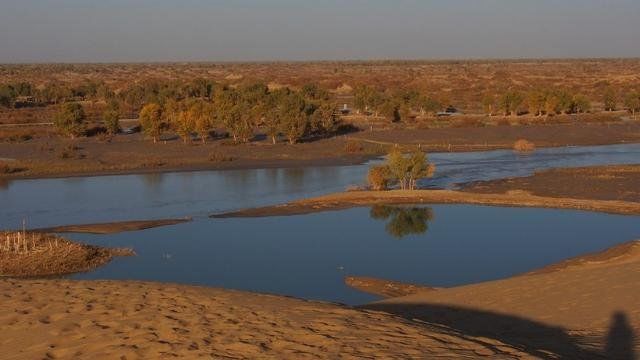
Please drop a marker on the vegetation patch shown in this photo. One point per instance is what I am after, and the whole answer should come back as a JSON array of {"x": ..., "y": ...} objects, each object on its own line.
[{"x": 26, "y": 254}]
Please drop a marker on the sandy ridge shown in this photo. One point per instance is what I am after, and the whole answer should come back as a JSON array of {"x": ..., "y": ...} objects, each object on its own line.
[{"x": 351, "y": 199}]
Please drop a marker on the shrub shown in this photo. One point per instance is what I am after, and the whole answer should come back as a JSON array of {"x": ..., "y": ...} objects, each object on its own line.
[
  {"x": 523, "y": 145},
  {"x": 378, "y": 178}
]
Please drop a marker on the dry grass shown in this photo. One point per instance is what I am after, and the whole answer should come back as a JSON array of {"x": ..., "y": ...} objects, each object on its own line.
[{"x": 35, "y": 254}]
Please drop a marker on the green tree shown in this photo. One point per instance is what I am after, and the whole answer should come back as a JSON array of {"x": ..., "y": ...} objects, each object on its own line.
[
  {"x": 580, "y": 104},
  {"x": 323, "y": 119},
  {"x": 407, "y": 170},
  {"x": 536, "y": 102},
  {"x": 69, "y": 120},
  {"x": 510, "y": 103},
  {"x": 489, "y": 104},
  {"x": 390, "y": 110},
  {"x": 111, "y": 117},
  {"x": 609, "y": 99},
  {"x": 429, "y": 105},
  {"x": 632, "y": 103},
  {"x": 203, "y": 119},
  {"x": 294, "y": 116},
  {"x": 151, "y": 120}
]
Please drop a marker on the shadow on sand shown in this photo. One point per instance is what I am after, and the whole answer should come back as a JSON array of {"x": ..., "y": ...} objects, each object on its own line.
[
  {"x": 620, "y": 339},
  {"x": 535, "y": 338}
]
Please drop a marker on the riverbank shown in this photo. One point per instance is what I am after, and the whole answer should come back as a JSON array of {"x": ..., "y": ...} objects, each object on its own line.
[
  {"x": 613, "y": 182},
  {"x": 127, "y": 154},
  {"x": 352, "y": 199}
]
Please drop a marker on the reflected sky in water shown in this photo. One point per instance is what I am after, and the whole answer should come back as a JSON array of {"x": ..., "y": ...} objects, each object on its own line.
[{"x": 308, "y": 256}]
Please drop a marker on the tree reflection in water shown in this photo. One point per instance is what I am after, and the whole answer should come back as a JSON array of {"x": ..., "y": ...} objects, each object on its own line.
[{"x": 403, "y": 221}]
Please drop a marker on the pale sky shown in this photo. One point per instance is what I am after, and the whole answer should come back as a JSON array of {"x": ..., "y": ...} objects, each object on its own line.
[{"x": 255, "y": 30}]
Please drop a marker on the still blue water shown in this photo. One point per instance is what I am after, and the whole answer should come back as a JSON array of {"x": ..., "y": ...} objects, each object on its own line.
[
  {"x": 49, "y": 202},
  {"x": 308, "y": 256}
]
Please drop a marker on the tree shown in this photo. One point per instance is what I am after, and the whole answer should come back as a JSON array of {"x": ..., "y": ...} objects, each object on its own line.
[
  {"x": 536, "y": 102},
  {"x": 580, "y": 104},
  {"x": 390, "y": 110},
  {"x": 489, "y": 104},
  {"x": 314, "y": 92},
  {"x": 419, "y": 168},
  {"x": 366, "y": 98},
  {"x": 185, "y": 125},
  {"x": 70, "y": 120},
  {"x": 7, "y": 95},
  {"x": 324, "y": 120},
  {"x": 111, "y": 118},
  {"x": 551, "y": 105},
  {"x": 632, "y": 103},
  {"x": 429, "y": 105},
  {"x": 203, "y": 115},
  {"x": 294, "y": 117},
  {"x": 510, "y": 102},
  {"x": 609, "y": 99},
  {"x": 407, "y": 170},
  {"x": 151, "y": 121}
]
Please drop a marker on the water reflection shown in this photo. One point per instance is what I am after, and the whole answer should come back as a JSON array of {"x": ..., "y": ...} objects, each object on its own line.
[{"x": 403, "y": 221}]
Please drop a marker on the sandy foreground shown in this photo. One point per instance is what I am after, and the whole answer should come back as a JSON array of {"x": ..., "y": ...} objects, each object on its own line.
[{"x": 58, "y": 319}]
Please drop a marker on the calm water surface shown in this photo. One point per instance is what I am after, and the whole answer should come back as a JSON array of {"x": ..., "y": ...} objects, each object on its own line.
[
  {"x": 308, "y": 256},
  {"x": 48, "y": 202}
]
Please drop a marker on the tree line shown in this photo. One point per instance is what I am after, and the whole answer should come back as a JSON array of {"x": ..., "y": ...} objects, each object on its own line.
[{"x": 238, "y": 110}]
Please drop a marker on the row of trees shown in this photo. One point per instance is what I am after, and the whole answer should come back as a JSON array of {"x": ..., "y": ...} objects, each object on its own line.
[
  {"x": 294, "y": 114},
  {"x": 404, "y": 104},
  {"x": 536, "y": 102},
  {"x": 395, "y": 106},
  {"x": 400, "y": 170}
]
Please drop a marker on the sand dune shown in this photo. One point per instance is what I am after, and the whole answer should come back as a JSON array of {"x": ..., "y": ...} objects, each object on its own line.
[
  {"x": 565, "y": 309},
  {"x": 58, "y": 319}
]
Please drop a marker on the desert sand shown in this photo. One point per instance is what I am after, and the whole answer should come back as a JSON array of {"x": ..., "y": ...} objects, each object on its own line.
[
  {"x": 58, "y": 319},
  {"x": 580, "y": 308}
]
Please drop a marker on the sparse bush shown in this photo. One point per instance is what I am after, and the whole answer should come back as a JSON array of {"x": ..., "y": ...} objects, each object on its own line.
[
  {"x": 523, "y": 145},
  {"x": 378, "y": 178}
]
